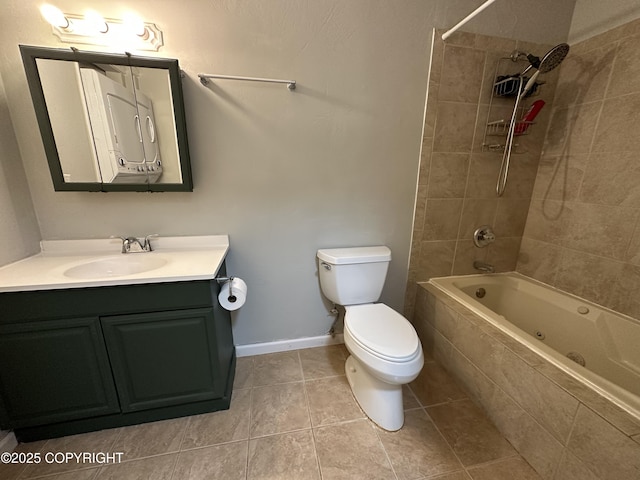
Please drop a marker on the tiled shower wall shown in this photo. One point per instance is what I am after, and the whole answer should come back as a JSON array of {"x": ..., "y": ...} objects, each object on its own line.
[
  {"x": 456, "y": 185},
  {"x": 583, "y": 233}
]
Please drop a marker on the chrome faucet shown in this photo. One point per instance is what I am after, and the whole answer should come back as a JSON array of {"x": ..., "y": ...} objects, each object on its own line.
[
  {"x": 483, "y": 267},
  {"x": 129, "y": 244}
]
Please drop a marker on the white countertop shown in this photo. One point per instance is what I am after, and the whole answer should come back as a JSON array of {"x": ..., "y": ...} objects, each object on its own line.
[{"x": 182, "y": 259}]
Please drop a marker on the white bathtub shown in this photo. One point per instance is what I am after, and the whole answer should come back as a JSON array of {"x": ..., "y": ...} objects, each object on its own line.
[{"x": 549, "y": 322}]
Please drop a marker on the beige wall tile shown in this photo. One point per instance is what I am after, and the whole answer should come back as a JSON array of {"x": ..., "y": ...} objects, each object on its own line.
[
  {"x": 455, "y": 126},
  {"x": 483, "y": 175},
  {"x": 441, "y": 219},
  {"x": 626, "y": 71},
  {"x": 434, "y": 385},
  {"x": 617, "y": 126},
  {"x": 475, "y": 213},
  {"x": 461, "y": 74},
  {"x": 612, "y": 179},
  {"x": 584, "y": 76},
  {"x": 472, "y": 436},
  {"x": 602, "y": 448},
  {"x": 466, "y": 254},
  {"x": 436, "y": 259},
  {"x": 560, "y": 177},
  {"x": 539, "y": 260},
  {"x": 503, "y": 254},
  {"x": 448, "y": 175},
  {"x": 571, "y": 129},
  {"x": 511, "y": 217}
]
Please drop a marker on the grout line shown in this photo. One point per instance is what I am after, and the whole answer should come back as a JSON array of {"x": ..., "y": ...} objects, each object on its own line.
[{"x": 313, "y": 436}]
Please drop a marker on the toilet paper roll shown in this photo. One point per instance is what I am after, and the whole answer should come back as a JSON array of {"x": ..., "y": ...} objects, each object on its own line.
[{"x": 233, "y": 294}]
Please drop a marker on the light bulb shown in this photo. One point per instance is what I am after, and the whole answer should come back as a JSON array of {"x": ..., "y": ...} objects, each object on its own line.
[
  {"x": 135, "y": 25},
  {"x": 54, "y": 16},
  {"x": 96, "y": 21}
]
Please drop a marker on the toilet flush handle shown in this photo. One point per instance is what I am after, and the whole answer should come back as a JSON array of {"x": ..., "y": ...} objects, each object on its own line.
[{"x": 325, "y": 265}]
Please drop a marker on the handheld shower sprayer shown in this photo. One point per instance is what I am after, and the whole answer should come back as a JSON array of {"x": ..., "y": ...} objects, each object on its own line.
[{"x": 551, "y": 60}]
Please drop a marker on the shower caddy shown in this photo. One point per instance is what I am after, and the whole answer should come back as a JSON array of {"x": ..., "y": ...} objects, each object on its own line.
[{"x": 505, "y": 86}]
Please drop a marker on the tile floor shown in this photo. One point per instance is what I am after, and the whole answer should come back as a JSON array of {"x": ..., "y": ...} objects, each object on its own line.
[{"x": 293, "y": 417}]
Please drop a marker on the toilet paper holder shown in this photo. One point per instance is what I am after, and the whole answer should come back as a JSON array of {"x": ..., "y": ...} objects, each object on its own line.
[{"x": 232, "y": 298}]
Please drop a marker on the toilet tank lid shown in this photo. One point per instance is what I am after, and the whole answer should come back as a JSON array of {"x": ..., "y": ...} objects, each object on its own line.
[{"x": 339, "y": 256}]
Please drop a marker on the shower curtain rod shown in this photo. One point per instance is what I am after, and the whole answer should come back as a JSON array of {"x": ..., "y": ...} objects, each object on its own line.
[{"x": 449, "y": 32}]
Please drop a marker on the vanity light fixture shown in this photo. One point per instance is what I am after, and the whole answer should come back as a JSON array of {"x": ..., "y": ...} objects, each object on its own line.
[{"x": 131, "y": 33}]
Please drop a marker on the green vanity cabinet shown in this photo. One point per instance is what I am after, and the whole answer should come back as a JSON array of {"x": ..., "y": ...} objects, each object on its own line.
[
  {"x": 151, "y": 366},
  {"x": 54, "y": 371},
  {"x": 83, "y": 359}
]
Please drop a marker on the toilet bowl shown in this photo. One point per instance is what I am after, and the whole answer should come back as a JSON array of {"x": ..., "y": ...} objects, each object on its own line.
[
  {"x": 385, "y": 354},
  {"x": 385, "y": 351}
]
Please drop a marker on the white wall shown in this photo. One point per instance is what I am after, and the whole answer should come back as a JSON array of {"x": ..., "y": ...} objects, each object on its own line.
[
  {"x": 19, "y": 233},
  {"x": 283, "y": 173},
  {"x": 593, "y": 17}
]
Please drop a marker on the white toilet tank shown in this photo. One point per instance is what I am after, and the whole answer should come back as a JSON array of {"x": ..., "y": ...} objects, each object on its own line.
[{"x": 352, "y": 276}]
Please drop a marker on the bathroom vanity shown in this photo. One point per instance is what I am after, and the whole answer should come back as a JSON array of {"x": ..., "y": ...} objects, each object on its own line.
[{"x": 103, "y": 347}]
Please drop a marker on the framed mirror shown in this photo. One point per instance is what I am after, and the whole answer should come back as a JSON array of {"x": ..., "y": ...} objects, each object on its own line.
[{"x": 109, "y": 122}]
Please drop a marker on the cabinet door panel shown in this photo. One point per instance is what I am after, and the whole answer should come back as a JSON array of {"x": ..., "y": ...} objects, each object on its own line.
[
  {"x": 54, "y": 371},
  {"x": 164, "y": 358}
]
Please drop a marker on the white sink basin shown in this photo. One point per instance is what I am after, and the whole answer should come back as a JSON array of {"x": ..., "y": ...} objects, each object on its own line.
[{"x": 116, "y": 266}]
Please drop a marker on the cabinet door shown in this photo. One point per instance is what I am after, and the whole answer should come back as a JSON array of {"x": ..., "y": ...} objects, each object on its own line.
[
  {"x": 164, "y": 358},
  {"x": 52, "y": 371}
]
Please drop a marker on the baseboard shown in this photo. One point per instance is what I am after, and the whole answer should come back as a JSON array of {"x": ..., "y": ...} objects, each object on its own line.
[
  {"x": 286, "y": 345},
  {"x": 8, "y": 443}
]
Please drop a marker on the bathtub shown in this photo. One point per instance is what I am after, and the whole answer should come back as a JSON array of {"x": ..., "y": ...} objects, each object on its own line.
[{"x": 597, "y": 347}]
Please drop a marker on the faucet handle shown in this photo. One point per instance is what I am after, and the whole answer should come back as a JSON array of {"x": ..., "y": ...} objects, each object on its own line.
[
  {"x": 125, "y": 243},
  {"x": 147, "y": 242},
  {"x": 483, "y": 236}
]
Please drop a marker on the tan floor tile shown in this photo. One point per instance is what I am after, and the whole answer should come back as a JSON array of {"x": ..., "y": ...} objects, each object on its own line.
[
  {"x": 11, "y": 471},
  {"x": 507, "y": 469},
  {"x": 467, "y": 429},
  {"x": 351, "y": 451},
  {"x": 276, "y": 368},
  {"x": 323, "y": 361},
  {"x": 88, "y": 474},
  {"x": 278, "y": 409},
  {"x": 153, "y": 438},
  {"x": 409, "y": 400},
  {"x": 434, "y": 385},
  {"x": 220, "y": 427},
  {"x": 331, "y": 401},
  {"x": 224, "y": 462},
  {"x": 244, "y": 373},
  {"x": 101, "y": 441},
  {"x": 461, "y": 475},
  {"x": 417, "y": 449},
  {"x": 283, "y": 457},
  {"x": 153, "y": 468}
]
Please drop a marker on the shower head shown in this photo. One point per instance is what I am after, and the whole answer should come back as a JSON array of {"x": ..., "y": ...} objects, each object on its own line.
[{"x": 551, "y": 59}]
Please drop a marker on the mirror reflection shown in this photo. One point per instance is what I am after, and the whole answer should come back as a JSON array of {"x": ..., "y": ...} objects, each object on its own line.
[{"x": 112, "y": 120}]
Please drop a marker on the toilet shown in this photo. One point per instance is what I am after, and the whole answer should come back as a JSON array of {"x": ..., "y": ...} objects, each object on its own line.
[{"x": 385, "y": 351}]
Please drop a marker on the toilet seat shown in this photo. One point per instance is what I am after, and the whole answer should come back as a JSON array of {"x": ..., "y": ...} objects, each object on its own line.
[{"x": 382, "y": 332}]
